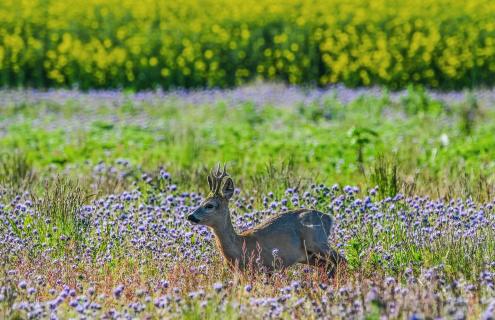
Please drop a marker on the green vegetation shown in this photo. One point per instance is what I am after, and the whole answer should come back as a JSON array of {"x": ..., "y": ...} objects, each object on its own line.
[
  {"x": 414, "y": 144},
  {"x": 95, "y": 189}
]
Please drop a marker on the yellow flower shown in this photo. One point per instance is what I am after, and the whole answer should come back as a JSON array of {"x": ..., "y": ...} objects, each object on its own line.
[
  {"x": 432, "y": 42},
  {"x": 153, "y": 61}
]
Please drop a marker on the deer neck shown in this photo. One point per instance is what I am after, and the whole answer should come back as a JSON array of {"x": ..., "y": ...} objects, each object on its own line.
[{"x": 228, "y": 241}]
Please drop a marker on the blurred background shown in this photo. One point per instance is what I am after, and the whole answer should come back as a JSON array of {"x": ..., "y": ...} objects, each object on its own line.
[
  {"x": 447, "y": 44},
  {"x": 287, "y": 92}
]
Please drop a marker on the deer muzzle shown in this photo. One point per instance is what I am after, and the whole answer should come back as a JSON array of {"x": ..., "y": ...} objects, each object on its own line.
[{"x": 192, "y": 218}]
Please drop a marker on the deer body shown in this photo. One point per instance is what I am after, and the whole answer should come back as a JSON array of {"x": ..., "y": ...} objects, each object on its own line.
[{"x": 298, "y": 236}]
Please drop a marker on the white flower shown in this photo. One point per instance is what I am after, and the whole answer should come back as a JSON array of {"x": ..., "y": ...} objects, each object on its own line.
[{"x": 444, "y": 140}]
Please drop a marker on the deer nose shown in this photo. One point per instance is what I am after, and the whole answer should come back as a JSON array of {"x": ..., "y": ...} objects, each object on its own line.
[{"x": 192, "y": 218}]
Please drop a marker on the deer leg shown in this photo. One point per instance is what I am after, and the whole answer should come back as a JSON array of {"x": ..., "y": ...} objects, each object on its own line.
[
  {"x": 327, "y": 258},
  {"x": 337, "y": 262}
]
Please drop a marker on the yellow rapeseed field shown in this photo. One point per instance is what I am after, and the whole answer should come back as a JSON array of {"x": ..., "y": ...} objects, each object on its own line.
[{"x": 148, "y": 43}]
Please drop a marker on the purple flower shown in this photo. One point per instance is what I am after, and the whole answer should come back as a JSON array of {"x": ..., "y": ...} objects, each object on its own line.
[
  {"x": 348, "y": 189},
  {"x": 22, "y": 284},
  {"x": 91, "y": 291},
  {"x": 218, "y": 286},
  {"x": 117, "y": 292},
  {"x": 489, "y": 313}
]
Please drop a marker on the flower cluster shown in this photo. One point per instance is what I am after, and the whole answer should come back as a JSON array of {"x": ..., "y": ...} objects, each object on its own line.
[{"x": 138, "y": 256}]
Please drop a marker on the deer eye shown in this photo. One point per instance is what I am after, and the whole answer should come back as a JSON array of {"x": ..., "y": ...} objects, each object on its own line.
[{"x": 209, "y": 206}]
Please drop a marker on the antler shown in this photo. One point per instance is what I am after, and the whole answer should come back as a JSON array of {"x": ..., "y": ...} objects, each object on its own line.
[{"x": 215, "y": 179}]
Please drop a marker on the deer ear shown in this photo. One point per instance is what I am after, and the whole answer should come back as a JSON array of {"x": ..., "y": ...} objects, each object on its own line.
[
  {"x": 210, "y": 183},
  {"x": 228, "y": 188}
]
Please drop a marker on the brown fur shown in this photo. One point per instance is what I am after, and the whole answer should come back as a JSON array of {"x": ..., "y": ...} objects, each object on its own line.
[{"x": 298, "y": 236}]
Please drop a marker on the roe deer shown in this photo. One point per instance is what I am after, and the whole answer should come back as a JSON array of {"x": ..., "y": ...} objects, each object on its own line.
[{"x": 298, "y": 236}]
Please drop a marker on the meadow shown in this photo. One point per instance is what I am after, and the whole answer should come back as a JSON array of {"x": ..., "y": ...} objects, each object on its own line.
[
  {"x": 95, "y": 188},
  {"x": 196, "y": 43}
]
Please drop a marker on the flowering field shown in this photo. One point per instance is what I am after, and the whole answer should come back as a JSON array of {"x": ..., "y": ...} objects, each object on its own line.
[
  {"x": 95, "y": 188},
  {"x": 145, "y": 44}
]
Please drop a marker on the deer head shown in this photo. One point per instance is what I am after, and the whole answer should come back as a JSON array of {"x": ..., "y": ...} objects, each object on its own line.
[{"x": 214, "y": 210}]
